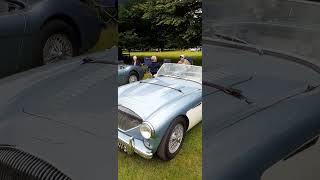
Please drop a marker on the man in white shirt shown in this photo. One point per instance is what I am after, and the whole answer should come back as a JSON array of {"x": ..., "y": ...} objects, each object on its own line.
[{"x": 183, "y": 60}]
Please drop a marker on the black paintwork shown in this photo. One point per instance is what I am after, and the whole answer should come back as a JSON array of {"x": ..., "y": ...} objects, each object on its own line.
[
  {"x": 59, "y": 113},
  {"x": 20, "y": 29},
  {"x": 241, "y": 140}
]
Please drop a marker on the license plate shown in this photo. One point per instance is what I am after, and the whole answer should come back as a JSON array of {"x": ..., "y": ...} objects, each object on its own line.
[{"x": 122, "y": 146}]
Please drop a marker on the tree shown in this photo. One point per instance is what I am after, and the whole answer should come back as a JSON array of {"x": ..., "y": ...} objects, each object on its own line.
[
  {"x": 129, "y": 40},
  {"x": 161, "y": 23}
]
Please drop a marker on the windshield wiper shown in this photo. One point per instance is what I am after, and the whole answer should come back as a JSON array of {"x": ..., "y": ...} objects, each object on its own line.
[
  {"x": 179, "y": 90},
  {"x": 237, "y": 40},
  {"x": 228, "y": 90},
  {"x": 93, "y": 60}
]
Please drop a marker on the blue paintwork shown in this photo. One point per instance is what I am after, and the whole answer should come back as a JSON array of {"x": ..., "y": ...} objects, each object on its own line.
[
  {"x": 159, "y": 105},
  {"x": 124, "y": 72}
]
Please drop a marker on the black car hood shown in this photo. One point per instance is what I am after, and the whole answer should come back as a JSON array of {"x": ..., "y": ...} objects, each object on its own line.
[
  {"x": 62, "y": 119},
  {"x": 243, "y": 139},
  {"x": 250, "y": 73}
]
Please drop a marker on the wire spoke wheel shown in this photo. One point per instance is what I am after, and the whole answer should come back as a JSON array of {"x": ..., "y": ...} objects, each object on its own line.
[
  {"x": 133, "y": 78},
  {"x": 176, "y": 138},
  {"x": 57, "y": 47}
]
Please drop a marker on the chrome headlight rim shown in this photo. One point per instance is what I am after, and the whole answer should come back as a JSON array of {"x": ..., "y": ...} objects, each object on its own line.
[{"x": 150, "y": 128}]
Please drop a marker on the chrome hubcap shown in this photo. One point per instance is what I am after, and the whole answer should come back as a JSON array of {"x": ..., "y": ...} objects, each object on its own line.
[
  {"x": 57, "y": 47},
  {"x": 133, "y": 78},
  {"x": 176, "y": 138}
]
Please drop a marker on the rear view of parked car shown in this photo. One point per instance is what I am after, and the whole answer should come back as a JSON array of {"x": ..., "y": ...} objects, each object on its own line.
[{"x": 36, "y": 32}]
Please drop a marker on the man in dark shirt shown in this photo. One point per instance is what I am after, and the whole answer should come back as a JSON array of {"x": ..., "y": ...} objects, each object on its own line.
[{"x": 154, "y": 67}]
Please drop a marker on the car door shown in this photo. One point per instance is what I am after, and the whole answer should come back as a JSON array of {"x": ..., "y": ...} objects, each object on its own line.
[
  {"x": 194, "y": 115},
  {"x": 12, "y": 28}
]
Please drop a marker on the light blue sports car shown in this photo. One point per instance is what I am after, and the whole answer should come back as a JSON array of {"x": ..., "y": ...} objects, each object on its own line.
[
  {"x": 155, "y": 114},
  {"x": 129, "y": 74}
]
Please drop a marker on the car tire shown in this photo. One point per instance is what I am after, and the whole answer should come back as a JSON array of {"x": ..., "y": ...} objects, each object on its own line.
[
  {"x": 57, "y": 28},
  {"x": 133, "y": 76},
  {"x": 163, "y": 151}
]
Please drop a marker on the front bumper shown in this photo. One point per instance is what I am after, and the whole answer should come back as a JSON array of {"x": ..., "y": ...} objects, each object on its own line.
[{"x": 131, "y": 145}]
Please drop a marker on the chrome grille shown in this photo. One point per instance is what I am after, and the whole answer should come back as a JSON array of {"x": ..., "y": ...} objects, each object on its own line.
[
  {"x": 127, "y": 119},
  {"x": 16, "y": 164}
]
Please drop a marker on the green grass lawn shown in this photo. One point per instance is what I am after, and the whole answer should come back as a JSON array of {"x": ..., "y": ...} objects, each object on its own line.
[
  {"x": 108, "y": 39},
  {"x": 173, "y": 55},
  {"x": 186, "y": 165},
  {"x": 147, "y": 76}
]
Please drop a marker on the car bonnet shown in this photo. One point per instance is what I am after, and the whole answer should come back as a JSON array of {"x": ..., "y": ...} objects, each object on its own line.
[
  {"x": 146, "y": 97},
  {"x": 263, "y": 80},
  {"x": 62, "y": 119}
]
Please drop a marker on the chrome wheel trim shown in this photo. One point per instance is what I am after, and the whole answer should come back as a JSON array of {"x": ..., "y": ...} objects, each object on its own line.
[
  {"x": 133, "y": 78},
  {"x": 176, "y": 138},
  {"x": 57, "y": 47}
]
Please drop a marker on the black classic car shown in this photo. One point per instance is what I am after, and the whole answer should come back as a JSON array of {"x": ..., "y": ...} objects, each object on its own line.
[
  {"x": 36, "y": 32},
  {"x": 261, "y": 90},
  {"x": 54, "y": 120}
]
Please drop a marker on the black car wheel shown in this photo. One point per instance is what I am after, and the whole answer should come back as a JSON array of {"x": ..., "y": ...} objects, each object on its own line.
[
  {"x": 173, "y": 139},
  {"x": 133, "y": 77},
  {"x": 58, "y": 41}
]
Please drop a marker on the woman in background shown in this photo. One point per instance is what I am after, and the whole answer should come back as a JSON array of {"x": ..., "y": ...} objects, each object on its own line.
[{"x": 136, "y": 62}]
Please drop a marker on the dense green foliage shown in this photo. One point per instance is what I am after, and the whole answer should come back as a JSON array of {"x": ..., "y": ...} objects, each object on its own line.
[{"x": 145, "y": 24}]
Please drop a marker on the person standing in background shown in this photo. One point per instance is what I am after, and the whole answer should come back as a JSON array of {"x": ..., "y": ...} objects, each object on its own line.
[
  {"x": 154, "y": 67},
  {"x": 136, "y": 62},
  {"x": 183, "y": 60}
]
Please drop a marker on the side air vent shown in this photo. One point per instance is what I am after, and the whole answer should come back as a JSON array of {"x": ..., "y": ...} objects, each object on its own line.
[{"x": 18, "y": 165}]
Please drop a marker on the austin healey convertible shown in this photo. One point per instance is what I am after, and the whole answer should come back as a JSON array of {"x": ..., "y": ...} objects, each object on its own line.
[{"x": 154, "y": 115}]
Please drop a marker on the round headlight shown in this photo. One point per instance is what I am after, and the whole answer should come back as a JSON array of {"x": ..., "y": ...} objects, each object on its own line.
[{"x": 146, "y": 130}]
